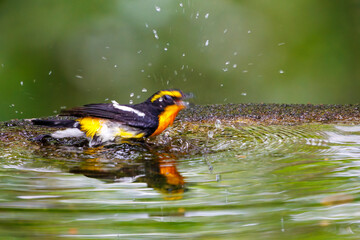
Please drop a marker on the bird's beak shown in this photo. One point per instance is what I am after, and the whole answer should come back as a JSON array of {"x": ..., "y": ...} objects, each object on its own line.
[{"x": 183, "y": 104}]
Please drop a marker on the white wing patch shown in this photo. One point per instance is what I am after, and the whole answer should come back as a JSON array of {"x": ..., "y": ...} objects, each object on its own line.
[{"x": 127, "y": 109}]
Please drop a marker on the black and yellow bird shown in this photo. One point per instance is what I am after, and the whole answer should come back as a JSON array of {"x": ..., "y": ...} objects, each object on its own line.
[{"x": 104, "y": 122}]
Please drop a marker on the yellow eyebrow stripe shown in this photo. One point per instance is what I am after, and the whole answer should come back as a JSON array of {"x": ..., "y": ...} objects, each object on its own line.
[{"x": 163, "y": 93}]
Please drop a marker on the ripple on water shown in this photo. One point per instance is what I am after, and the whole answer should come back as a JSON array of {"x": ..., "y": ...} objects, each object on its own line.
[{"x": 281, "y": 178}]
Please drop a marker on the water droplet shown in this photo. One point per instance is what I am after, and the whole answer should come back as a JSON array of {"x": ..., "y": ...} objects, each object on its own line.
[
  {"x": 207, "y": 15},
  {"x": 249, "y": 31},
  {"x": 149, "y": 64},
  {"x": 197, "y": 15},
  {"x": 181, "y": 4},
  {"x": 218, "y": 177},
  {"x": 210, "y": 134},
  {"x": 104, "y": 58},
  {"x": 146, "y": 25},
  {"x": 225, "y": 69},
  {"x": 207, "y": 43},
  {"x": 140, "y": 51},
  {"x": 235, "y": 65},
  {"x": 115, "y": 66},
  {"x": 221, "y": 85},
  {"x": 244, "y": 94},
  {"x": 107, "y": 47},
  {"x": 227, "y": 63},
  {"x": 165, "y": 49},
  {"x": 131, "y": 102},
  {"x": 142, "y": 70},
  {"x": 158, "y": 9},
  {"x": 175, "y": 72},
  {"x": 280, "y": 44},
  {"x": 218, "y": 123},
  {"x": 78, "y": 76},
  {"x": 22, "y": 83},
  {"x": 144, "y": 90},
  {"x": 245, "y": 71},
  {"x": 183, "y": 54},
  {"x": 281, "y": 71},
  {"x": 235, "y": 53},
  {"x": 132, "y": 94},
  {"x": 225, "y": 30},
  {"x": 12, "y": 105},
  {"x": 106, "y": 99},
  {"x": 50, "y": 72},
  {"x": 138, "y": 96},
  {"x": 155, "y": 34}
]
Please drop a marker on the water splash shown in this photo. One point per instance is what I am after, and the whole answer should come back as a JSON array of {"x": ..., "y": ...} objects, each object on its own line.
[
  {"x": 210, "y": 134},
  {"x": 206, "y": 43}
]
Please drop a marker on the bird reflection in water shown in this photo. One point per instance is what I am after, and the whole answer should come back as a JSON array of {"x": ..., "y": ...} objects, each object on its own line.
[{"x": 134, "y": 163}]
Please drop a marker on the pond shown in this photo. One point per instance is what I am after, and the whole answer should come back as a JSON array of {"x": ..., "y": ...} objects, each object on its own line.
[{"x": 233, "y": 182}]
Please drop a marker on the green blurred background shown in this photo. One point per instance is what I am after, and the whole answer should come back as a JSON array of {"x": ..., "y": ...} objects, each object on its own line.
[{"x": 56, "y": 54}]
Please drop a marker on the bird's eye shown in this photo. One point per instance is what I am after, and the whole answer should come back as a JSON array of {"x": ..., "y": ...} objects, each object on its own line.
[{"x": 167, "y": 98}]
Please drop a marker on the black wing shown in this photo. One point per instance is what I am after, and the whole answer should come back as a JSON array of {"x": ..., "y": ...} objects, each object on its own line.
[{"x": 129, "y": 116}]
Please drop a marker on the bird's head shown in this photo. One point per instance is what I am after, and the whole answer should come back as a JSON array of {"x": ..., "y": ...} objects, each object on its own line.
[{"x": 170, "y": 97}]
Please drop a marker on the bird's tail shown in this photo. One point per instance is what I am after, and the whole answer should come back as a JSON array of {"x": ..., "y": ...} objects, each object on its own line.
[{"x": 56, "y": 123}]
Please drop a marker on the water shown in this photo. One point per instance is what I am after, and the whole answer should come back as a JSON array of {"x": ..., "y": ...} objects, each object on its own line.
[{"x": 275, "y": 182}]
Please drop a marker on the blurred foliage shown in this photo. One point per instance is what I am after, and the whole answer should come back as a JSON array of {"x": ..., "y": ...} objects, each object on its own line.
[{"x": 65, "y": 53}]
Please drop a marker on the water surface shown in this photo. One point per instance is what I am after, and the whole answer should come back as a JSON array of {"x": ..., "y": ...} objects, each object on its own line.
[{"x": 248, "y": 182}]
